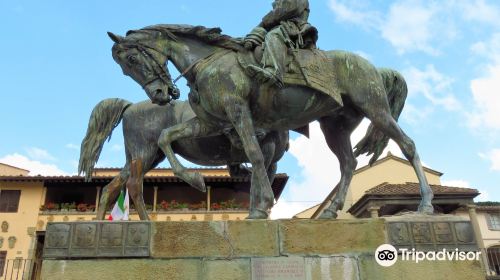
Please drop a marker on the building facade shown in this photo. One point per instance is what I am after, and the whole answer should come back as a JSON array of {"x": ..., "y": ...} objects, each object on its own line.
[
  {"x": 389, "y": 187},
  {"x": 28, "y": 203}
]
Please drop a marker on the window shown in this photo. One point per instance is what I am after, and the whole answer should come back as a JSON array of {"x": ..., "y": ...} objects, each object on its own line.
[
  {"x": 493, "y": 255},
  {"x": 3, "y": 256},
  {"x": 494, "y": 221},
  {"x": 9, "y": 200}
]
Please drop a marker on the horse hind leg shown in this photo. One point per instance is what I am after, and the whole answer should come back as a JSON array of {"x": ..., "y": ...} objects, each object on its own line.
[
  {"x": 337, "y": 132},
  {"x": 380, "y": 116},
  {"x": 111, "y": 191}
]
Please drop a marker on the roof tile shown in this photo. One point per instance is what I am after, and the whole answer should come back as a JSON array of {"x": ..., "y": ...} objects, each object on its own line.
[{"x": 413, "y": 188}]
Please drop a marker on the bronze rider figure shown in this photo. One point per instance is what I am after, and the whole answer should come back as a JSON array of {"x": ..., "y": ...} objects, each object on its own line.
[{"x": 285, "y": 27}]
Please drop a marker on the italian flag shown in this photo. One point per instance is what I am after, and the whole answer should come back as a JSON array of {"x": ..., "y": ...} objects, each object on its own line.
[{"x": 120, "y": 210}]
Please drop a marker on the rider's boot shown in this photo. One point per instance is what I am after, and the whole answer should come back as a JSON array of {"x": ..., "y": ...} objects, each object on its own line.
[{"x": 273, "y": 59}]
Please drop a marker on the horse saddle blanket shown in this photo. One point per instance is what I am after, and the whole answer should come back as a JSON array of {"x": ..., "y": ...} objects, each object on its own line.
[{"x": 304, "y": 67}]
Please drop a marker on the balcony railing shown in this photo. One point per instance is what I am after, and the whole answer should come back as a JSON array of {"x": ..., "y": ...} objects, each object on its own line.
[
  {"x": 493, "y": 266},
  {"x": 20, "y": 269}
]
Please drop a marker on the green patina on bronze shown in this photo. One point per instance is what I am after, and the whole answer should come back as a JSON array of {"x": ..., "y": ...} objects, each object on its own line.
[
  {"x": 228, "y": 100},
  {"x": 142, "y": 125}
]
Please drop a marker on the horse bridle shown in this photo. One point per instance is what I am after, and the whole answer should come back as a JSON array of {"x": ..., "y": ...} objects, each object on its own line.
[{"x": 160, "y": 70}]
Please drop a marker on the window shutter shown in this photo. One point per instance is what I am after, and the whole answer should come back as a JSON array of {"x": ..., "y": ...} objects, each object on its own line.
[
  {"x": 3, "y": 256},
  {"x": 14, "y": 201},
  {"x": 488, "y": 221},
  {"x": 9, "y": 200}
]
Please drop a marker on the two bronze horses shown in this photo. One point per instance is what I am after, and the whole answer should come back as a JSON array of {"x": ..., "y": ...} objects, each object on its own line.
[
  {"x": 142, "y": 124},
  {"x": 225, "y": 98}
]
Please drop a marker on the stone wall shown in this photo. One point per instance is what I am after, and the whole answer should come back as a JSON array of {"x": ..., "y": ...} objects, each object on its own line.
[{"x": 283, "y": 249}]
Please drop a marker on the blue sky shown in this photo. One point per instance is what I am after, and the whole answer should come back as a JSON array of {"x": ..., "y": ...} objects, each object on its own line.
[{"x": 56, "y": 65}]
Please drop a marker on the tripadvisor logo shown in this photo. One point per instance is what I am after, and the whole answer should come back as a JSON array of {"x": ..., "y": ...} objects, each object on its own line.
[{"x": 387, "y": 255}]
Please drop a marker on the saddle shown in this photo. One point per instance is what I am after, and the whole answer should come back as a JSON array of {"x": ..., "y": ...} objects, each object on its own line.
[{"x": 304, "y": 67}]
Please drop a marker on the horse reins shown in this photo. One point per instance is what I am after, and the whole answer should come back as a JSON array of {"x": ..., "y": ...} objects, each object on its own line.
[{"x": 160, "y": 70}]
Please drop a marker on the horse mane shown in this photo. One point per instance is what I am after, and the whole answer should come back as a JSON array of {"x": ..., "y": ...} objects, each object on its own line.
[{"x": 212, "y": 36}]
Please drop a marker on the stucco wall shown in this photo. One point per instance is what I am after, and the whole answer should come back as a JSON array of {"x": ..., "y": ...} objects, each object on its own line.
[{"x": 22, "y": 224}]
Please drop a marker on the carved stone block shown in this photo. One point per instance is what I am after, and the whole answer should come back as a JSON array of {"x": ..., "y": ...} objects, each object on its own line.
[
  {"x": 111, "y": 239},
  {"x": 421, "y": 232},
  {"x": 84, "y": 239},
  {"x": 97, "y": 239},
  {"x": 57, "y": 238},
  {"x": 432, "y": 234},
  {"x": 464, "y": 232},
  {"x": 443, "y": 232},
  {"x": 399, "y": 234},
  {"x": 138, "y": 236}
]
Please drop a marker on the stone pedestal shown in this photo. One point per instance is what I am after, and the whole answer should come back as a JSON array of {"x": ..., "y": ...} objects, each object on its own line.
[{"x": 282, "y": 249}]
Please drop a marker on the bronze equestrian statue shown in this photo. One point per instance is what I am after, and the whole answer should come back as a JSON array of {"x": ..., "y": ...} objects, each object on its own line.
[
  {"x": 336, "y": 88},
  {"x": 142, "y": 125},
  {"x": 285, "y": 27}
]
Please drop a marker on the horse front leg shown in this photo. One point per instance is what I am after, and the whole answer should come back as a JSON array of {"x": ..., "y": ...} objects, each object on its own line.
[
  {"x": 261, "y": 194},
  {"x": 191, "y": 128},
  {"x": 268, "y": 148}
]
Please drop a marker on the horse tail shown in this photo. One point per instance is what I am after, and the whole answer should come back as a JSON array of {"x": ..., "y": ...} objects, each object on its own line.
[
  {"x": 375, "y": 141},
  {"x": 105, "y": 116}
]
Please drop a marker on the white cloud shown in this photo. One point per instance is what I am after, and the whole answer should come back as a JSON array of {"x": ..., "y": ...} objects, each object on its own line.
[
  {"x": 116, "y": 148},
  {"x": 414, "y": 115},
  {"x": 485, "y": 89},
  {"x": 363, "y": 55},
  {"x": 320, "y": 170},
  {"x": 72, "y": 146},
  {"x": 480, "y": 11},
  {"x": 35, "y": 167},
  {"x": 483, "y": 196},
  {"x": 456, "y": 183},
  {"x": 39, "y": 154},
  {"x": 486, "y": 96},
  {"x": 408, "y": 25},
  {"x": 494, "y": 158},
  {"x": 286, "y": 210},
  {"x": 355, "y": 12},
  {"x": 433, "y": 85},
  {"x": 489, "y": 49}
]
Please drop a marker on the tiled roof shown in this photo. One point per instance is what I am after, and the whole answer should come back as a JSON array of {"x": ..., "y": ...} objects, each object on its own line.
[
  {"x": 278, "y": 185},
  {"x": 410, "y": 188},
  {"x": 488, "y": 208},
  {"x": 157, "y": 178}
]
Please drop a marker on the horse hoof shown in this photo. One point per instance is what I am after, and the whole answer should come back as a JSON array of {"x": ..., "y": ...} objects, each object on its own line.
[
  {"x": 328, "y": 214},
  {"x": 256, "y": 214},
  {"x": 195, "y": 180},
  {"x": 426, "y": 209}
]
